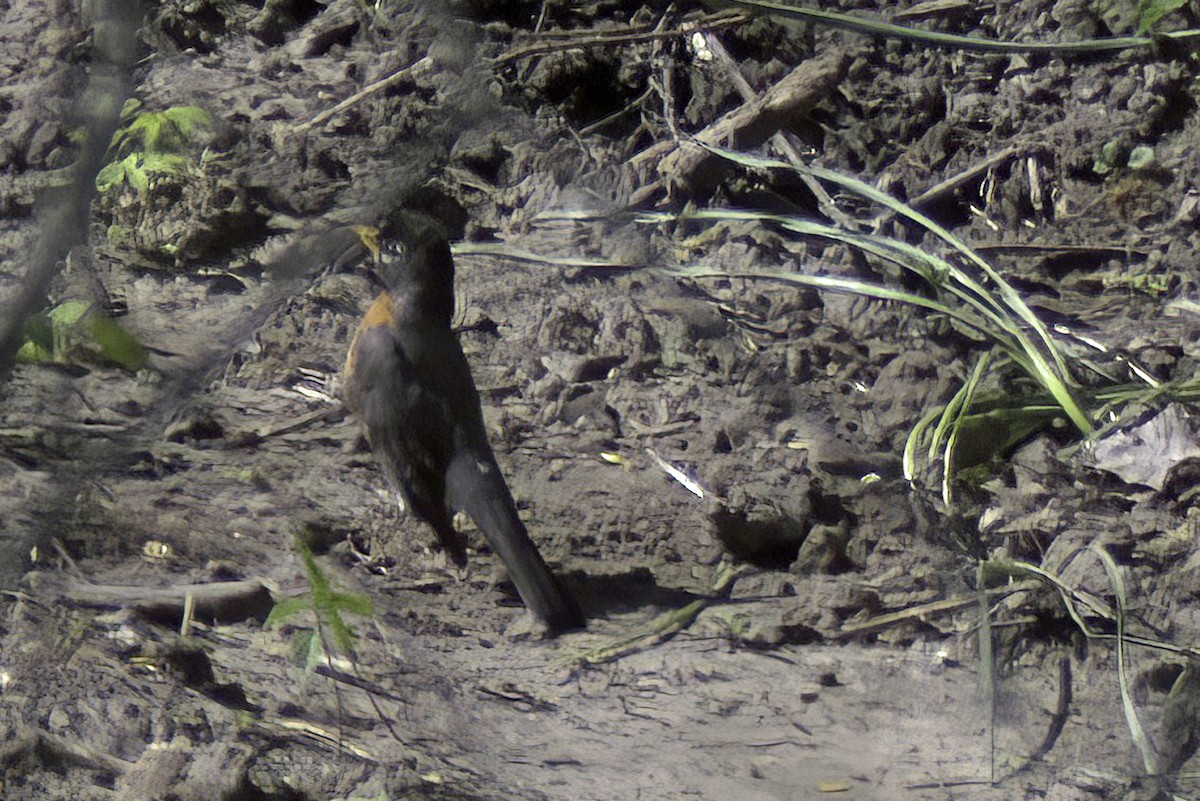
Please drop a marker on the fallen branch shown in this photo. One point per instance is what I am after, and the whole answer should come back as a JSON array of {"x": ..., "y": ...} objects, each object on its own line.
[
  {"x": 224, "y": 600},
  {"x": 682, "y": 165},
  {"x": 779, "y": 140}
]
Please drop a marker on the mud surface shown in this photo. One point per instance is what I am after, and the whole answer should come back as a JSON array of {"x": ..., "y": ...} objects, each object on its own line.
[{"x": 817, "y": 616}]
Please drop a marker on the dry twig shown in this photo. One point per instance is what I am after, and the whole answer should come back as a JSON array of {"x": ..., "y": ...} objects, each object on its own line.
[
  {"x": 411, "y": 72},
  {"x": 557, "y": 41}
]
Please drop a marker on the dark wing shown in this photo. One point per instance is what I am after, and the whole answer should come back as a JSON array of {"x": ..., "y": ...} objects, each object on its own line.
[
  {"x": 474, "y": 484},
  {"x": 406, "y": 425}
]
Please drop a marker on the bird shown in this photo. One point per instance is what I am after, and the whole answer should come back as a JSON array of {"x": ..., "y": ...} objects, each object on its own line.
[{"x": 408, "y": 381}]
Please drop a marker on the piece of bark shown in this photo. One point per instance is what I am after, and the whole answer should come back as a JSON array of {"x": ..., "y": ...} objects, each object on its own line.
[{"x": 222, "y": 600}]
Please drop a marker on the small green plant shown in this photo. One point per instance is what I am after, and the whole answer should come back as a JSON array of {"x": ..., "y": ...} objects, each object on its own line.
[
  {"x": 170, "y": 130},
  {"x": 329, "y": 635},
  {"x": 151, "y": 143},
  {"x": 327, "y": 605},
  {"x": 72, "y": 333},
  {"x": 136, "y": 169},
  {"x": 1154, "y": 286},
  {"x": 1113, "y": 157}
]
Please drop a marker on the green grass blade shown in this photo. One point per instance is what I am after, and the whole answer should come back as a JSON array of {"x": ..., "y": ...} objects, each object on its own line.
[
  {"x": 991, "y": 324},
  {"x": 913, "y": 442},
  {"x": 977, "y": 44},
  {"x": 965, "y": 397},
  {"x": 1054, "y": 377},
  {"x": 1136, "y": 731},
  {"x": 517, "y": 254},
  {"x": 987, "y": 664},
  {"x": 1047, "y": 365},
  {"x": 843, "y": 285},
  {"x": 906, "y": 256}
]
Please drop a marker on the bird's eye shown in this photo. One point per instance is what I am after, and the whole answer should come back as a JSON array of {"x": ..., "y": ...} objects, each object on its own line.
[{"x": 391, "y": 253}]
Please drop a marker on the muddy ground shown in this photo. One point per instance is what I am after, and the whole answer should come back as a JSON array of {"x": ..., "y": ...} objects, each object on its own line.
[{"x": 810, "y": 627}]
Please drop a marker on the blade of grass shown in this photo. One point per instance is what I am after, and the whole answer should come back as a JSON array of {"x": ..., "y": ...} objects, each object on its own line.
[
  {"x": 1014, "y": 567},
  {"x": 894, "y": 251},
  {"x": 913, "y": 442},
  {"x": 1140, "y": 739},
  {"x": 987, "y": 665},
  {"x": 965, "y": 395},
  {"x": 978, "y": 44},
  {"x": 1054, "y": 377},
  {"x": 865, "y": 190},
  {"x": 845, "y": 286},
  {"x": 517, "y": 254}
]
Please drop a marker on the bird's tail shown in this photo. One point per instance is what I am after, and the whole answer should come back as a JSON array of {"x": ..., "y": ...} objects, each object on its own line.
[{"x": 475, "y": 486}]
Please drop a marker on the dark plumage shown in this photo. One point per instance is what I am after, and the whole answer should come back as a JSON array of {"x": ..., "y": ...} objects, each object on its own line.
[{"x": 407, "y": 379}]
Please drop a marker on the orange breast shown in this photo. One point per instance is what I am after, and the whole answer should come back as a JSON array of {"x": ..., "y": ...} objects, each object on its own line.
[{"x": 380, "y": 313}]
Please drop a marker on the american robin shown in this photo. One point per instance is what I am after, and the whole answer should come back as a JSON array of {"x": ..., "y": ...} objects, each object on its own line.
[{"x": 409, "y": 383}]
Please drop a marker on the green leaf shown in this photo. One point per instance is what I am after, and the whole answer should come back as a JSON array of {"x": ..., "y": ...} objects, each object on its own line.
[
  {"x": 327, "y": 604},
  {"x": 110, "y": 175},
  {"x": 148, "y": 128},
  {"x": 68, "y": 313},
  {"x": 163, "y": 163},
  {"x": 38, "y": 347},
  {"x": 315, "y": 655},
  {"x": 301, "y": 645},
  {"x": 353, "y": 603},
  {"x": 130, "y": 108},
  {"x": 33, "y": 353},
  {"x": 39, "y": 330},
  {"x": 152, "y": 142},
  {"x": 71, "y": 332},
  {"x": 164, "y": 131},
  {"x": 187, "y": 119},
  {"x": 1141, "y": 157},
  {"x": 287, "y": 609},
  {"x": 133, "y": 169},
  {"x": 995, "y": 433},
  {"x": 117, "y": 345},
  {"x": 1151, "y": 11},
  {"x": 138, "y": 178},
  {"x": 342, "y": 637}
]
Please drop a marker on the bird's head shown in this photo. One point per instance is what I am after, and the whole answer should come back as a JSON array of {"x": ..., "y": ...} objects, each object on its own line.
[{"x": 412, "y": 261}]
